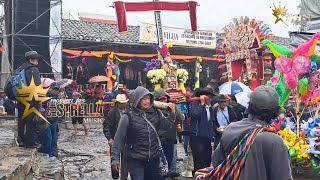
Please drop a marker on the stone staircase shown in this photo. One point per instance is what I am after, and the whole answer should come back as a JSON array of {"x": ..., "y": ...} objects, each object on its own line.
[{"x": 18, "y": 163}]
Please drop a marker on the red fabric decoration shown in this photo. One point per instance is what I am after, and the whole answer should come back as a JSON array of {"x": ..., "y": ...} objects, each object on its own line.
[
  {"x": 236, "y": 69},
  {"x": 123, "y": 7}
]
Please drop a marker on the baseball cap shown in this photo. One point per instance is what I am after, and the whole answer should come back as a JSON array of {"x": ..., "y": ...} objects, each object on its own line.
[
  {"x": 264, "y": 98},
  {"x": 55, "y": 85}
]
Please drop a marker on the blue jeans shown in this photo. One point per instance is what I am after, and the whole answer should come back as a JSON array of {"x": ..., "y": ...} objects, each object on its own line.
[
  {"x": 186, "y": 144},
  {"x": 50, "y": 139},
  {"x": 140, "y": 170},
  {"x": 173, "y": 166}
]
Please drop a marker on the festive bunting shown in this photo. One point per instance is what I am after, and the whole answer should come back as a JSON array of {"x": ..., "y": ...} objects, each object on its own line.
[
  {"x": 122, "y": 61},
  {"x": 146, "y": 56}
]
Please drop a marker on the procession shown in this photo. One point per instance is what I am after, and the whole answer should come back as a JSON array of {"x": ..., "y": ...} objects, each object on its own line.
[{"x": 123, "y": 94}]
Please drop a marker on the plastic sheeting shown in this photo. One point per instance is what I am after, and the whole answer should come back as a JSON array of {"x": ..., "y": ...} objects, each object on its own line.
[{"x": 310, "y": 8}]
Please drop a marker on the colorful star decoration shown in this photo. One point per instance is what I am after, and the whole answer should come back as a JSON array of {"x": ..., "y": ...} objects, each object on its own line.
[
  {"x": 279, "y": 13},
  {"x": 31, "y": 96}
]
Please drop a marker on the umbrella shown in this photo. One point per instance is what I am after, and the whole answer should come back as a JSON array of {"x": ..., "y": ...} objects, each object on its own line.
[
  {"x": 65, "y": 82},
  {"x": 96, "y": 79},
  {"x": 242, "y": 98},
  {"x": 233, "y": 88},
  {"x": 47, "y": 82}
]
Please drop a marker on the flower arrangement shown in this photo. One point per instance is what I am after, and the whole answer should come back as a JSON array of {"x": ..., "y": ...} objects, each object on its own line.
[
  {"x": 182, "y": 75},
  {"x": 156, "y": 76}
]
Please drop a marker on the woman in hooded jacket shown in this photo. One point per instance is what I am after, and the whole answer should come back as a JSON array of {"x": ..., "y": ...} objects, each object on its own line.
[{"x": 138, "y": 137}]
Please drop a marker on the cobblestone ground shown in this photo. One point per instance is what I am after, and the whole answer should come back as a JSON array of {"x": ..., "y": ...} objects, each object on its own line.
[{"x": 86, "y": 157}]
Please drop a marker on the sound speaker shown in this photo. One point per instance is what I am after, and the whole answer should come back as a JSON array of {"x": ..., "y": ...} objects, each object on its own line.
[{"x": 31, "y": 25}]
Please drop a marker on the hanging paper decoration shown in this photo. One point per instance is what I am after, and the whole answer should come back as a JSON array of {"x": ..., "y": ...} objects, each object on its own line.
[{"x": 122, "y": 61}]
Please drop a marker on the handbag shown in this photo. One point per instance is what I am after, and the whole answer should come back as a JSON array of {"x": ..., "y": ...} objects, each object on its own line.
[{"x": 163, "y": 165}]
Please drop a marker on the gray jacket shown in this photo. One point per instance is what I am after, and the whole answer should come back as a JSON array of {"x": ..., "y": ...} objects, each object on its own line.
[
  {"x": 135, "y": 134},
  {"x": 268, "y": 158}
]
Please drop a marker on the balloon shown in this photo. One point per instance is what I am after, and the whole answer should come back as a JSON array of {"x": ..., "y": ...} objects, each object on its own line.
[
  {"x": 274, "y": 80},
  {"x": 308, "y": 48},
  {"x": 313, "y": 82},
  {"x": 306, "y": 97},
  {"x": 313, "y": 65},
  {"x": 283, "y": 92},
  {"x": 301, "y": 64},
  {"x": 283, "y": 64},
  {"x": 277, "y": 50},
  {"x": 291, "y": 80},
  {"x": 276, "y": 73},
  {"x": 292, "y": 152},
  {"x": 303, "y": 86},
  {"x": 269, "y": 83},
  {"x": 316, "y": 58}
]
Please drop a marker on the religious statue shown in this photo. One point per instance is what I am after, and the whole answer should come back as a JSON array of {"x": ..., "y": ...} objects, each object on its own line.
[{"x": 109, "y": 71}]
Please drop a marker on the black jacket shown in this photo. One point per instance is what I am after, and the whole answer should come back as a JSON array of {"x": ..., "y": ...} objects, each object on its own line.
[
  {"x": 240, "y": 111},
  {"x": 111, "y": 123},
  {"x": 30, "y": 70}
]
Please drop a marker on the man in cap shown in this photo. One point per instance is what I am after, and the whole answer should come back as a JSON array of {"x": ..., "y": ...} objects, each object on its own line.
[
  {"x": 49, "y": 139},
  {"x": 268, "y": 158},
  {"x": 26, "y": 131},
  {"x": 223, "y": 116},
  {"x": 201, "y": 129},
  {"x": 110, "y": 126}
]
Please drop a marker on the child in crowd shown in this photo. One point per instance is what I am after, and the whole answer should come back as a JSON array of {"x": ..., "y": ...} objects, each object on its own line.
[{"x": 79, "y": 118}]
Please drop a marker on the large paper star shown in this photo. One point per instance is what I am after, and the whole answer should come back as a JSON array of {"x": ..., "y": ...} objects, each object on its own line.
[
  {"x": 31, "y": 96},
  {"x": 279, "y": 13}
]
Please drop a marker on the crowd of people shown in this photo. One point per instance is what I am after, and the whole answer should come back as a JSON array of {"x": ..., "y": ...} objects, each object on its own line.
[{"x": 142, "y": 135}]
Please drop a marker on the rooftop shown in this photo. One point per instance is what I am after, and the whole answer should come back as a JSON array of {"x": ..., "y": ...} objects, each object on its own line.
[
  {"x": 102, "y": 32},
  {"x": 96, "y": 31}
]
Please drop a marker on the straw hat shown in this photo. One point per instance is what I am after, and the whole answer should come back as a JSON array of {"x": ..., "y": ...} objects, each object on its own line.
[{"x": 122, "y": 98}]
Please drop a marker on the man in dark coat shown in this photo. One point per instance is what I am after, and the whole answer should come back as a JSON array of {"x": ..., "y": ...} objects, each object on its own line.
[
  {"x": 238, "y": 108},
  {"x": 268, "y": 158},
  {"x": 110, "y": 126},
  {"x": 201, "y": 129},
  {"x": 26, "y": 126},
  {"x": 223, "y": 116}
]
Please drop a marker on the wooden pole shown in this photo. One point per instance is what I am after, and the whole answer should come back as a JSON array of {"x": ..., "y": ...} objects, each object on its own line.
[{"x": 298, "y": 114}]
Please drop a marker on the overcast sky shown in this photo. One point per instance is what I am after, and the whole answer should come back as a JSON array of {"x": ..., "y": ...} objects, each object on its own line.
[{"x": 211, "y": 14}]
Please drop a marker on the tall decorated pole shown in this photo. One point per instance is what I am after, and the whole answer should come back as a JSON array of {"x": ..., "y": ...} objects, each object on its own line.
[{"x": 197, "y": 73}]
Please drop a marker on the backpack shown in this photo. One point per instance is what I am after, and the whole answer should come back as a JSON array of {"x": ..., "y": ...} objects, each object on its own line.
[{"x": 15, "y": 81}]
